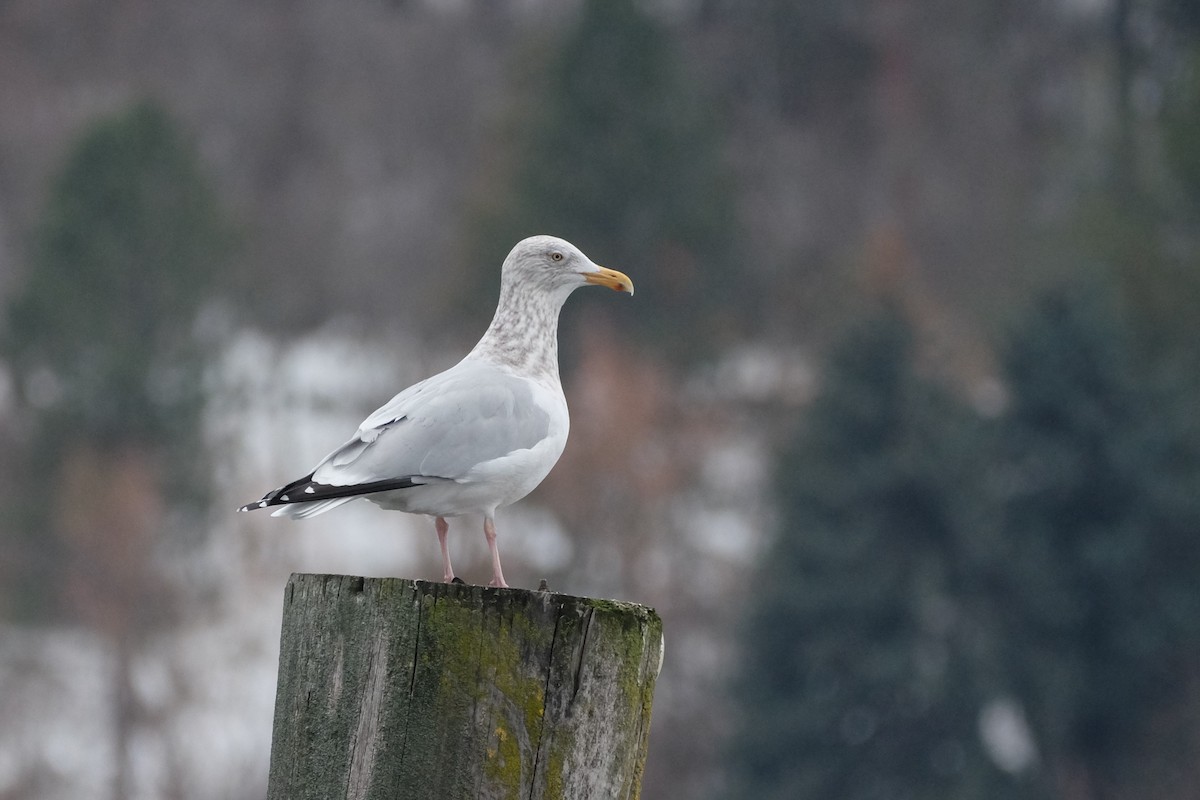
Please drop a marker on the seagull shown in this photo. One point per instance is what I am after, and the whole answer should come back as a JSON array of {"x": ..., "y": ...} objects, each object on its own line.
[{"x": 479, "y": 436}]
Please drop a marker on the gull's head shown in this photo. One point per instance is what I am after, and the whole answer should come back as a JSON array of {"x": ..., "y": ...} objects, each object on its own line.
[{"x": 557, "y": 266}]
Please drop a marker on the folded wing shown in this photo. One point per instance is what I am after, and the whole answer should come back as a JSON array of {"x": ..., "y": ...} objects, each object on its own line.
[{"x": 439, "y": 429}]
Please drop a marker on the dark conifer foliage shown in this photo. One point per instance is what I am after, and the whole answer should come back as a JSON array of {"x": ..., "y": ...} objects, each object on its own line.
[{"x": 861, "y": 674}]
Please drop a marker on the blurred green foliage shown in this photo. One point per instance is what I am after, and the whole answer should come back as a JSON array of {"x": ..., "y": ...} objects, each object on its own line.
[
  {"x": 1097, "y": 467},
  {"x": 859, "y": 676},
  {"x": 102, "y": 335},
  {"x": 930, "y": 562},
  {"x": 129, "y": 250}
]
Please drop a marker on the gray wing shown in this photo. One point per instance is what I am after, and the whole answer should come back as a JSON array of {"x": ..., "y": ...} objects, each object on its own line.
[{"x": 441, "y": 428}]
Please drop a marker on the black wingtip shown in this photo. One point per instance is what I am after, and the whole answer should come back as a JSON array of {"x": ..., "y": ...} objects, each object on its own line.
[
  {"x": 309, "y": 491},
  {"x": 278, "y": 497}
]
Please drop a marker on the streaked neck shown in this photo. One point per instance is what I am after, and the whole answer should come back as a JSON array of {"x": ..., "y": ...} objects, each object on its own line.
[{"x": 523, "y": 335}]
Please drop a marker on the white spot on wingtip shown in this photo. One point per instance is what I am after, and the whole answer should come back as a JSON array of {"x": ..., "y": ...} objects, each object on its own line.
[
  {"x": 309, "y": 490},
  {"x": 262, "y": 503},
  {"x": 285, "y": 498}
]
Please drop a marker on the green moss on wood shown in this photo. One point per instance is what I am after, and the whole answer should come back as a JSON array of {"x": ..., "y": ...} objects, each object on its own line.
[{"x": 555, "y": 786}]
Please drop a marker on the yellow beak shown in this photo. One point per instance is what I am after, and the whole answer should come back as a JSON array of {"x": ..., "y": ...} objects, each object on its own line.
[{"x": 617, "y": 281}]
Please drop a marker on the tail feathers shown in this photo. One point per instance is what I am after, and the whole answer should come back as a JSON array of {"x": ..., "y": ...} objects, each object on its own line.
[{"x": 311, "y": 508}]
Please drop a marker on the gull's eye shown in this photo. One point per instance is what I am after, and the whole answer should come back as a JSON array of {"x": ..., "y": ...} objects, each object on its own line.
[{"x": 557, "y": 256}]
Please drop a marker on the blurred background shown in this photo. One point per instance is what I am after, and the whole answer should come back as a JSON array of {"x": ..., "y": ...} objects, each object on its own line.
[{"x": 901, "y": 433}]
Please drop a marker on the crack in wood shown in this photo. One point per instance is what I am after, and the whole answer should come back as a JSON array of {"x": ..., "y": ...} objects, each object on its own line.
[
  {"x": 589, "y": 615},
  {"x": 537, "y": 750},
  {"x": 412, "y": 683},
  {"x": 363, "y": 740}
]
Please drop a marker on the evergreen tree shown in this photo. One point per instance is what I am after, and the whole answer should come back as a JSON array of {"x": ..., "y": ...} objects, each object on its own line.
[
  {"x": 1096, "y": 563},
  {"x": 101, "y": 334},
  {"x": 860, "y": 674},
  {"x": 620, "y": 155},
  {"x": 128, "y": 251}
]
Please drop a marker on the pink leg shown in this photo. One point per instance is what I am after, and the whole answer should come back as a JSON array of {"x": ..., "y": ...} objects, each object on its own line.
[
  {"x": 442, "y": 528},
  {"x": 489, "y": 531}
]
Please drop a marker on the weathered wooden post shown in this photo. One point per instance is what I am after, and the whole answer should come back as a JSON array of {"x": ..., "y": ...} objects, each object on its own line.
[{"x": 394, "y": 688}]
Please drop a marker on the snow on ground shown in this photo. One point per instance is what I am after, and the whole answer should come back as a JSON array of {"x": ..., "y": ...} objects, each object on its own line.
[{"x": 54, "y": 684}]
